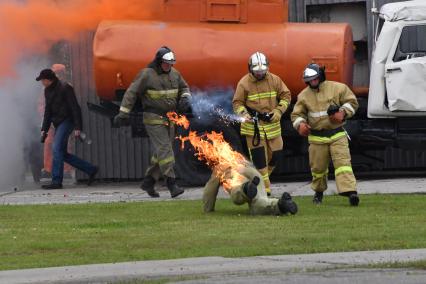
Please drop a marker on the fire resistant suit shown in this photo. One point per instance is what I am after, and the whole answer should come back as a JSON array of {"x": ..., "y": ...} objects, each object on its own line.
[
  {"x": 327, "y": 138},
  {"x": 258, "y": 98},
  {"x": 261, "y": 204}
]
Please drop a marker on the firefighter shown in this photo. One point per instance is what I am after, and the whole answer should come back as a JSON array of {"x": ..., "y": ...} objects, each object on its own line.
[
  {"x": 319, "y": 114},
  {"x": 260, "y": 99},
  {"x": 250, "y": 190},
  {"x": 161, "y": 88}
]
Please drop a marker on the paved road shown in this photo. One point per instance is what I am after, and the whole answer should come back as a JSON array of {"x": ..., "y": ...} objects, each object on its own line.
[{"x": 308, "y": 268}]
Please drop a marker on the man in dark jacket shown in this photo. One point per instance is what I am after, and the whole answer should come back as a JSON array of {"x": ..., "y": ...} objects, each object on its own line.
[{"x": 62, "y": 109}]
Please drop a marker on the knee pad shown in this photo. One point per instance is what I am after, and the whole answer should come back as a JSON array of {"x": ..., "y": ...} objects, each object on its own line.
[
  {"x": 276, "y": 155},
  {"x": 258, "y": 157}
]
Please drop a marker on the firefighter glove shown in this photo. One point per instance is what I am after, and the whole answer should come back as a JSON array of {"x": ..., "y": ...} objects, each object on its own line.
[
  {"x": 120, "y": 119},
  {"x": 276, "y": 115}
]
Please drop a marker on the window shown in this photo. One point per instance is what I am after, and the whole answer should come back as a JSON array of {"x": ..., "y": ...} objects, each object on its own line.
[{"x": 412, "y": 43}]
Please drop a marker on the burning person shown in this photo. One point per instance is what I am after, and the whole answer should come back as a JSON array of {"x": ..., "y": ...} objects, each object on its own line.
[
  {"x": 251, "y": 189},
  {"x": 231, "y": 169}
]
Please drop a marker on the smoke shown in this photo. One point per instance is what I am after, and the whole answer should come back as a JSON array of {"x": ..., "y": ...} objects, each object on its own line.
[
  {"x": 19, "y": 123},
  {"x": 28, "y": 29},
  {"x": 32, "y": 26},
  {"x": 213, "y": 105}
]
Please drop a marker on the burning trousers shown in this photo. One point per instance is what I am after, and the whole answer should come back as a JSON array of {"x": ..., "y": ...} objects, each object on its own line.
[
  {"x": 261, "y": 204},
  {"x": 264, "y": 157},
  {"x": 319, "y": 159},
  {"x": 162, "y": 161}
]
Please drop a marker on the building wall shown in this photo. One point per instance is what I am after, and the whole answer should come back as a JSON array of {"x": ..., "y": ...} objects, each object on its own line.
[{"x": 113, "y": 150}]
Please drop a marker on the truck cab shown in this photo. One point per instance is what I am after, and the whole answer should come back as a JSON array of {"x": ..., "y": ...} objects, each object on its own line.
[{"x": 398, "y": 66}]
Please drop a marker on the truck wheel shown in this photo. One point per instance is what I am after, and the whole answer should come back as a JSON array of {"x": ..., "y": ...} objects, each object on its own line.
[{"x": 189, "y": 169}]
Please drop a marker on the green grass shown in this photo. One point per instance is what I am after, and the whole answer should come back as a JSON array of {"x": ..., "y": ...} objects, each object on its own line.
[{"x": 56, "y": 235}]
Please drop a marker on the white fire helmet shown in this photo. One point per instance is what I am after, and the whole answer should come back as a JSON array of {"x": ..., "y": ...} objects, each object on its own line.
[
  {"x": 169, "y": 58},
  {"x": 258, "y": 65}
]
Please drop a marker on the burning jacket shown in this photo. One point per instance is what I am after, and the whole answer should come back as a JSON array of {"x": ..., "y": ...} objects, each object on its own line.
[
  {"x": 61, "y": 104},
  {"x": 261, "y": 96}
]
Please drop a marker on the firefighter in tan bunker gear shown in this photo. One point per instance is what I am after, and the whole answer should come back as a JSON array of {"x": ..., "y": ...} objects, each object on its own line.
[
  {"x": 319, "y": 114},
  {"x": 250, "y": 190},
  {"x": 260, "y": 99},
  {"x": 161, "y": 89}
]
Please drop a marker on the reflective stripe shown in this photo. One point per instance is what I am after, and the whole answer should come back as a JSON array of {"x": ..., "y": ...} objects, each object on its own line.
[
  {"x": 241, "y": 109},
  {"x": 155, "y": 122},
  {"x": 185, "y": 95},
  {"x": 318, "y": 114},
  {"x": 271, "y": 130},
  {"x": 166, "y": 161},
  {"x": 124, "y": 109},
  {"x": 283, "y": 103},
  {"x": 320, "y": 139},
  {"x": 343, "y": 169},
  {"x": 319, "y": 175},
  {"x": 349, "y": 107},
  {"x": 162, "y": 94},
  {"x": 254, "y": 97},
  {"x": 298, "y": 121},
  {"x": 265, "y": 177}
]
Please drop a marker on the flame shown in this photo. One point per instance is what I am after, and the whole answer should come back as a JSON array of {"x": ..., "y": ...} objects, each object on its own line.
[
  {"x": 212, "y": 148},
  {"x": 180, "y": 120}
]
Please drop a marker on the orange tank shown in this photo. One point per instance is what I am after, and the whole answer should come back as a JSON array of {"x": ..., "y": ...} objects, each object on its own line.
[{"x": 214, "y": 51}]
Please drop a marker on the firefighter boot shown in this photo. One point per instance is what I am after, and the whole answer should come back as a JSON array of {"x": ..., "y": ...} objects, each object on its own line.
[
  {"x": 173, "y": 188},
  {"x": 352, "y": 196},
  {"x": 287, "y": 205},
  {"x": 317, "y": 198},
  {"x": 354, "y": 199},
  {"x": 148, "y": 186},
  {"x": 250, "y": 188}
]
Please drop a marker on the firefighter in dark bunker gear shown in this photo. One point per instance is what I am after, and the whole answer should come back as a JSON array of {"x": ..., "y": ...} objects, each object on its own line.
[{"x": 161, "y": 88}]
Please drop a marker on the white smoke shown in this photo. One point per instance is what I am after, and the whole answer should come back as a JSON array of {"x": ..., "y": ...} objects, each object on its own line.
[
  {"x": 212, "y": 105},
  {"x": 19, "y": 122}
]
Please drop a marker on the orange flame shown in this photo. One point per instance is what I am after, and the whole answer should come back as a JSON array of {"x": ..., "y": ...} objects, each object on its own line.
[
  {"x": 180, "y": 120},
  {"x": 212, "y": 148}
]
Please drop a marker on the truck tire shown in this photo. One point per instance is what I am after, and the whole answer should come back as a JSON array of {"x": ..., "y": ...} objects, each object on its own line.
[{"x": 190, "y": 170}]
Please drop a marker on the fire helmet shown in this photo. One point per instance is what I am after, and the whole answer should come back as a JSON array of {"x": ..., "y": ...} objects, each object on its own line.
[
  {"x": 166, "y": 55},
  {"x": 258, "y": 65},
  {"x": 312, "y": 72}
]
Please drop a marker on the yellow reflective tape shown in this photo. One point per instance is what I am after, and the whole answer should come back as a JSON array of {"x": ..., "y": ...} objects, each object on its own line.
[
  {"x": 283, "y": 103},
  {"x": 265, "y": 176},
  {"x": 162, "y": 94},
  {"x": 319, "y": 175},
  {"x": 124, "y": 109},
  {"x": 344, "y": 169},
  {"x": 166, "y": 160},
  {"x": 270, "y": 126},
  {"x": 313, "y": 138},
  {"x": 155, "y": 122},
  {"x": 241, "y": 109},
  {"x": 257, "y": 96}
]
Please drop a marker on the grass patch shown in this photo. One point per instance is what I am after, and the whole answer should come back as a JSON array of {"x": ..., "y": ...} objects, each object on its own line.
[
  {"x": 57, "y": 235},
  {"x": 420, "y": 264}
]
